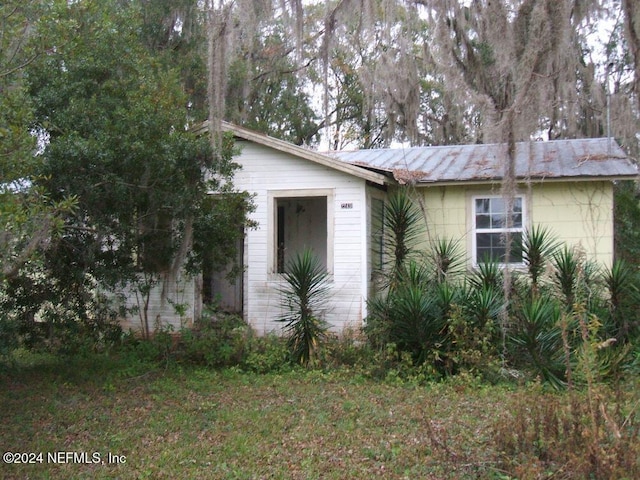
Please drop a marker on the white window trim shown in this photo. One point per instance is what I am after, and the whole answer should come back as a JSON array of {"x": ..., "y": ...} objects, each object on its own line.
[
  {"x": 272, "y": 232},
  {"x": 474, "y": 230}
]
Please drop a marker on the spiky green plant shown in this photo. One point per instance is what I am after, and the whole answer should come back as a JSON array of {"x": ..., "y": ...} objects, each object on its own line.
[
  {"x": 538, "y": 245},
  {"x": 307, "y": 287},
  {"x": 447, "y": 258},
  {"x": 416, "y": 274},
  {"x": 483, "y": 305},
  {"x": 403, "y": 225},
  {"x": 487, "y": 274},
  {"x": 417, "y": 324},
  {"x": 565, "y": 274},
  {"x": 538, "y": 334},
  {"x": 622, "y": 286}
]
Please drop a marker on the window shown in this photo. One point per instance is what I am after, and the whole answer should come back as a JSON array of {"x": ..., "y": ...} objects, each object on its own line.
[
  {"x": 491, "y": 227},
  {"x": 300, "y": 222}
]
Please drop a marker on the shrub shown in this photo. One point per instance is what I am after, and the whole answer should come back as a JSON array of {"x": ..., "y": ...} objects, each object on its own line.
[
  {"x": 216, "y": 340},
  {"x": 266, "y": 354},
  {"x": 303, "y": 296}
]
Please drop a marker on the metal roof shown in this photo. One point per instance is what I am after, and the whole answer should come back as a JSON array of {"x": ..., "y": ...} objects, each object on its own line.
[{"x": 558, "y": 159}]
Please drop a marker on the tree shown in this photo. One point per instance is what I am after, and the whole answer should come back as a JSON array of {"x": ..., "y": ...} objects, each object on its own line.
[
  {"x": 27, "y": 216},
  {"x": 117, "y": 117}
]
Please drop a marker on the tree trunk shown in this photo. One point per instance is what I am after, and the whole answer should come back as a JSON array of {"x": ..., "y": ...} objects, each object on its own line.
[{"x": 632, "y": 30}]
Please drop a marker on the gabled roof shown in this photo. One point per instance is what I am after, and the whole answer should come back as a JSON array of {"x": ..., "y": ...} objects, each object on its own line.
[
  {"x": 311, "y": 155},
  {"x": 581, "y": 159}
]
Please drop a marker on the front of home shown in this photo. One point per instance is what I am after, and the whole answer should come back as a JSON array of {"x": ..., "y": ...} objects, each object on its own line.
[
  {"x": 329, "y": 203},
  {"x": 564, "y": 185},
  {"x": 304, "y": 200}
]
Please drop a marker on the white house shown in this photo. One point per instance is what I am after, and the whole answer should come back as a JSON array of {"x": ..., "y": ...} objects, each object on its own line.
[{"x": 328, "y": 202}]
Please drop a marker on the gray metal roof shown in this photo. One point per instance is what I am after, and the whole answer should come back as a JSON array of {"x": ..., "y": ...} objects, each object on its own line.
[{"x": 558, "y": 159}]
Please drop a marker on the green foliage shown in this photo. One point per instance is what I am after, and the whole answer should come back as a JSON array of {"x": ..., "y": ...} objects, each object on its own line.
[
  {"x": 265, "y": 93},
  {"x": 623, "y": 288},
  {"x": 447, "y": 258},
  {"x": 538, "y": 334},
  {"x": 403, "y": 225},
  {"x": 538, "y": 246},
  {"x": 626, "y": 232},
  {"x": 306, "y": 288},
  {"x": 566, "y": 274},
  {"x": 28, "y": 216},
  {"x": 488, "y": 275},
  {"x": 112, "y": 108},
  {"x": 216, "y": 340},
  {"x": 437, "y": 317}
]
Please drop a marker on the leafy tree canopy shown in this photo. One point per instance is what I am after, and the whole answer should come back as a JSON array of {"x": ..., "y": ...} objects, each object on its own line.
[{"x": 116, "y": 115}]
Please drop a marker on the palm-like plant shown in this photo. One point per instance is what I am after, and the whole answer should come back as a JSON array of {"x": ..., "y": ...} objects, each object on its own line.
[
  {"x": 538, "y": 245},
  {"x": 417, "y": 324},
  {"x": 446, "y": 256},
  {"x": 537, "y": 332},
  {"x": 306, "y": 290},
  {"x": 565, "y": 275},
  {"x": 622, "y": 286},
  {"x": 403, "y": 225},
  {"x": 487, "y": 275},
  {"x": 483, "y": 305}
]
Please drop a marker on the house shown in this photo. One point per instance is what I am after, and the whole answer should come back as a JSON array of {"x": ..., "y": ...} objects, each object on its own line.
[{"x": 328, "y": 202}]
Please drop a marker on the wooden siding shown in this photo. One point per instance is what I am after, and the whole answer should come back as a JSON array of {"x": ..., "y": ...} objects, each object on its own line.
[
  {"x": 162, "y": 313},
  {"x": 579, "y": 214},
  {"x": 270, "y": 174}
]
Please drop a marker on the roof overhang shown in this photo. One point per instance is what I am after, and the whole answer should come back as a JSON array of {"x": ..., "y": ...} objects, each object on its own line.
[
  {"x": 521, "y": 181},
  {"x": 300, "y": 152}
]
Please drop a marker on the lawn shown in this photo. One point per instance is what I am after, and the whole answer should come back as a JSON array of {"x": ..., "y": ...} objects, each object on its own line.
[{"x": 201, "y": 423}]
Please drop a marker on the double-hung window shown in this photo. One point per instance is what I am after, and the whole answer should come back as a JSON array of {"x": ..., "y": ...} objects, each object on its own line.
[{"x": 493, "y": 226}]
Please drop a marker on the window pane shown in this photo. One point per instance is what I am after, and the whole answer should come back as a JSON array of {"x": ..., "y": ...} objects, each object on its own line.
[
  {"x": 498, "y": 221},
  {"x": 497, "y": 205},
  {"x": 483, "y": 240},
  {"x": 491, "y": 213},
  {"x": 516, "y": 248},
  {"x": 517, "y": 220},
  {"x": 482, "y": 205},
  {"x": 483, "y": 221},
  {"x": 517, "y": 205},
  {"x": 491, "y": 247}
]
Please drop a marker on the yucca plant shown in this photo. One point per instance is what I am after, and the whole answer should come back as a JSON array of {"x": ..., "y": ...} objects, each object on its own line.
[
  {"x": 487, "y": 274},
  {"x": 447, "y": 259},
  {"x": 307, "y": 288},
  {"x": 538, "y": 334},
  {"x": 415, "y": 273},
  {"x": 403, "y": 225},
  {"x": 565, "y": 274},
  {"x": 483, "y": 305},
  {"x": 538, "y": 245},
  {"x": 417, "y": 324},
  {"x": 622, "y": 286}
]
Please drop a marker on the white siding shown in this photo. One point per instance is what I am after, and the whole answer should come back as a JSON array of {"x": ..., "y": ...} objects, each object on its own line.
[
  {"x": 267, "y": 172},
  {"x": 174, "y": 310}
]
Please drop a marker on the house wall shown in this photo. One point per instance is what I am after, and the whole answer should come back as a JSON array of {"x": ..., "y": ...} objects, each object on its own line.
[
  {"x": 270, "y": 174},
  {"x": 578, "y": 213},
  {"x": 176, "y": 309}
]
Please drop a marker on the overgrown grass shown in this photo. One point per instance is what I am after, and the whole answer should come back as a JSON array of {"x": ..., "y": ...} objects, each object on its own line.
[{"x": 195, "y": 422}]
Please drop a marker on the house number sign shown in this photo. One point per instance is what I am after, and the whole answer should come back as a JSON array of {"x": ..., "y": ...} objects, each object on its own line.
[{"x": 346, "y": 206}]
